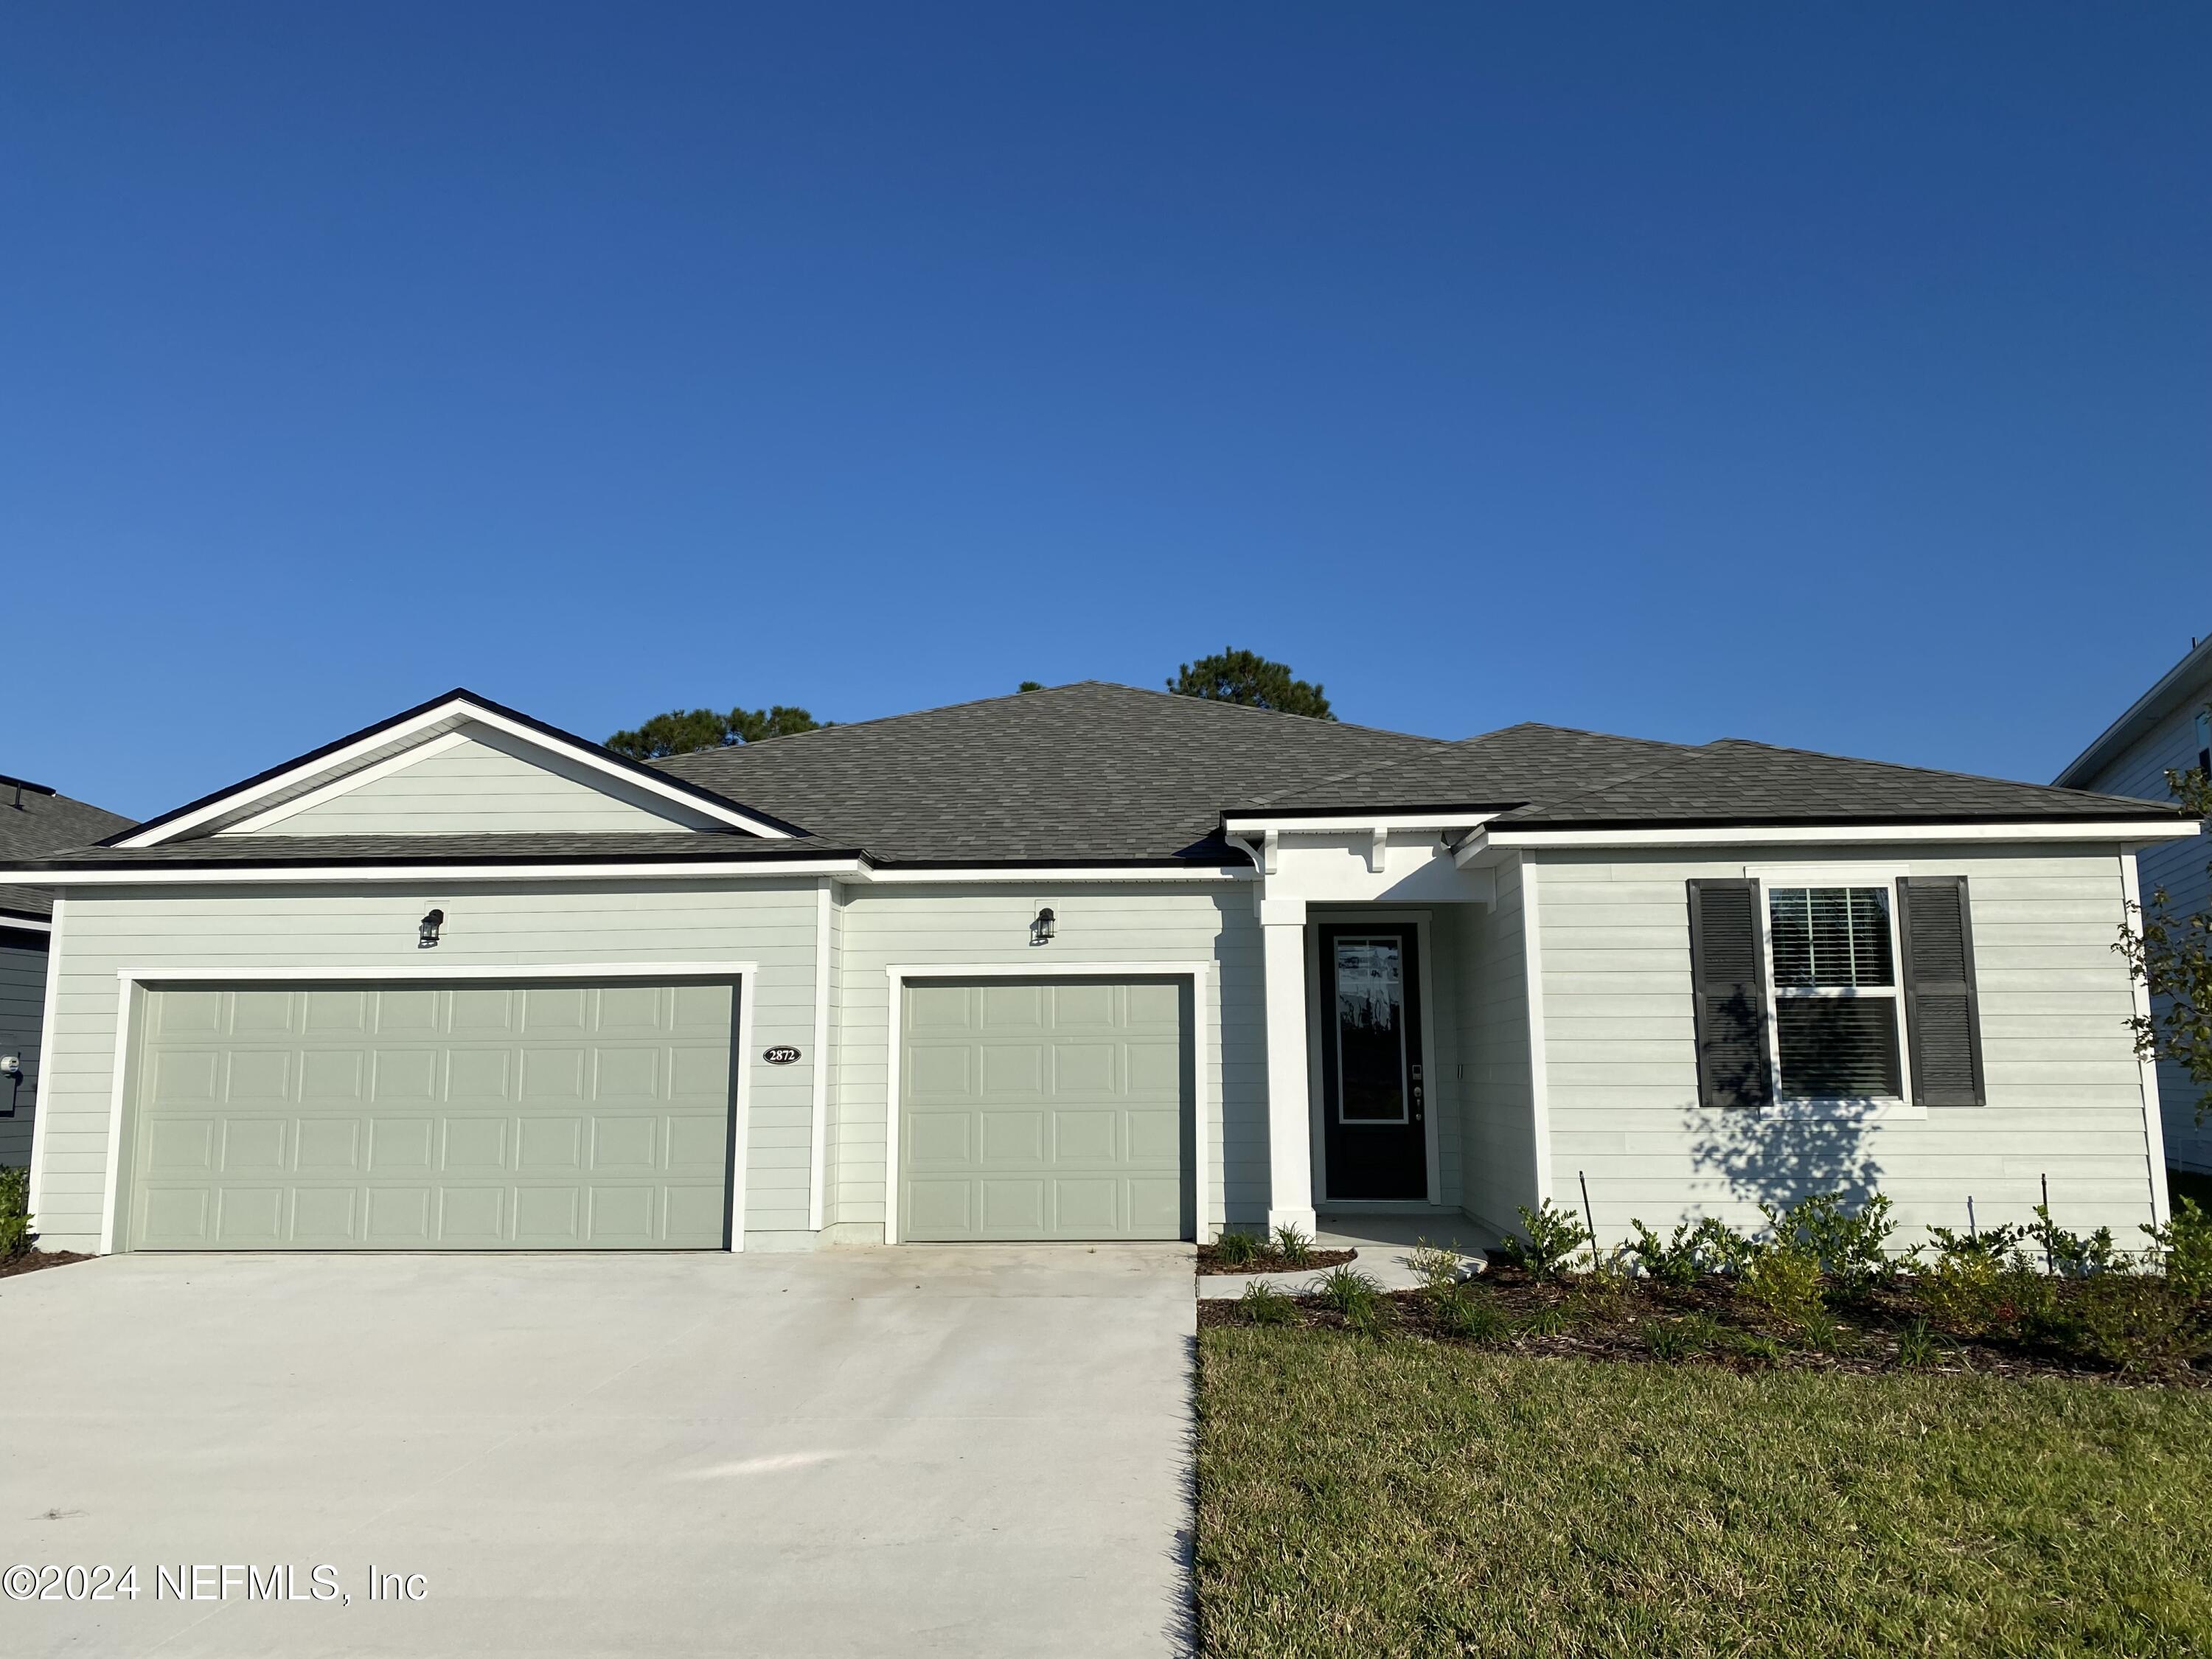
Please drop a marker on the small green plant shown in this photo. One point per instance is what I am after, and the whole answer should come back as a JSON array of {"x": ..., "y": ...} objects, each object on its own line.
[
  {"x": 1916, "y": 1348},
  {"x": 1546, "y": 1321},
  {"x": 2138, "y": 1322},
  {"x": 14, "y": 1213},
  {"x": 1263, "y": 1305},
  {"x": 1760, "y": 1350},
  {"x": 1783, "y": 1283},
  {"x": 1295, "y": 1248},
  {"x": 1348, "y": 1291},
  {"x": 1848, "y": 1247},
  {"x": 1235, "y": 1249},
  {"x": 2074, "y": 1256},
  {"x": 1547, "y": 1242},
  {"x": 2183, "y": 1249},
  {"x": 1680, "y": 1339},
  {"x": 1437, "y": 1267},
  {"x": 1697, "y": 1248},
  {"x": 1462, "y": 1314}
]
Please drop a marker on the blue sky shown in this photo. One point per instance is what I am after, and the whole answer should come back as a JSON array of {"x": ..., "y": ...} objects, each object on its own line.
[{"x": 1830, "y": 375}]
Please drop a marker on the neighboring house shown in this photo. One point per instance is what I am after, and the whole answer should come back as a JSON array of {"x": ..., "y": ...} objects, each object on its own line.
[
  {"x": 34, "y": 820},
  {"x": 2168, "y": 729},
  {"x": 1087, "y": 963}
]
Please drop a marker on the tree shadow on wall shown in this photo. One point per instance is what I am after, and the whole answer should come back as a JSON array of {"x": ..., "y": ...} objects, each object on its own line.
[{"x": 1779, "y": 1160}]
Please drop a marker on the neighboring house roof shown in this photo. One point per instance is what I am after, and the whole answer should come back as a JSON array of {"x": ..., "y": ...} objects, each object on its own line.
[
  {"x": 34, "y": 820},
  {"x": 1095, "y": 774},
  {"x": 2187, "y": 681}
]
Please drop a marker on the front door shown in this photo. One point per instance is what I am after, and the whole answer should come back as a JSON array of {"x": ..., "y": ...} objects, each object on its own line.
[{"x": 1374, "y": 1100}]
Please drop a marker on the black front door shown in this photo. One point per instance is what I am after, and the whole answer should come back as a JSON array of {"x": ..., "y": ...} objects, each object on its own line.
[{"x": 1374, "y": 1100}]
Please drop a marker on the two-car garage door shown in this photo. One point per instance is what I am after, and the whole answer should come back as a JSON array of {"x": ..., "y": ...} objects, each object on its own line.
[
  {"x": 463, "y": 1116},
  {"x": 1045, "y": 1110}
]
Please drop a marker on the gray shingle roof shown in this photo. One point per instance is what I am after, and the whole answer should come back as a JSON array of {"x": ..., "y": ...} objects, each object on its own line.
[
  {"x": 1498, "y": 768},
  {"x": 31, "y": 825},
  {"x": 1088, "y": 772}
]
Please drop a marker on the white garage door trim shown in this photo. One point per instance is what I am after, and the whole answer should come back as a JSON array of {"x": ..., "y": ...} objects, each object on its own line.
[
  {"x": 134, "y": 982},
  {"x": 1199, "y": 973}
]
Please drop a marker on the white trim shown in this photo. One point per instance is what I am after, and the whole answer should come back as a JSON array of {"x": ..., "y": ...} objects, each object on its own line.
[
  {"x": 46, "y": 1019},
  {"x": 1357, "y": 822},
  {"x": 132, "y": 982},
  {"x": 854, "y": 870},
  {"x": 346, "y": 785},
  {"x": 584, "y": 755},
  {"x": 818, "y": 1177},
  {"x": 1200, "y": 975},
  {"x": 28, "y": 924},
  {"x": 1047, "y": 876},
  {"x": 2161, "y": 1209},
  {"x": 1753, "y": 834},
  {"x": 1871, "y": 1109},
  {"x": 1539, "y": 1076},
  {"x": 155, "y": 875}
]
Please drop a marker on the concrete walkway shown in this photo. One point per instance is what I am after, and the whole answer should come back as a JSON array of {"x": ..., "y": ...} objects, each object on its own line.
[
  {"x": 926, "y": 1450},
  {"x": 1384, "y": 1242}
]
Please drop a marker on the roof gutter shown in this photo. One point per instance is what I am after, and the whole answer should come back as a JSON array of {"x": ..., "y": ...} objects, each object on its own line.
[
  {"x": 2109, "y": 830},
  {"x": 2173, "y": 689}
]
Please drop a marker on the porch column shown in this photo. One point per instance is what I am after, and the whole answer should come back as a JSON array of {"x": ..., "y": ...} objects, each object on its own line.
[{"x": 1289, "y": 1133}]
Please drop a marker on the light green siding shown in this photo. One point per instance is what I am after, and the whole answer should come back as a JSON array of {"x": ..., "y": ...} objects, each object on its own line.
[
  {"x": 23, "y": 1006},
  {"x": 488, "y": 783},
  {"x": 215, "y": 931},
  {"x": 562, "y": 1115},
  {"x": 1499, "y": 1159},
  {"x": 2064, "y": 1089}
]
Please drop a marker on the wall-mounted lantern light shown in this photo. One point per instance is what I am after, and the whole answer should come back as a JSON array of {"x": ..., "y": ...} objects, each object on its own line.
[
  {"x": 1041, "y": 930},
  {"x": 427, "y": 935},
  {"x": 11, "y": 1068}
]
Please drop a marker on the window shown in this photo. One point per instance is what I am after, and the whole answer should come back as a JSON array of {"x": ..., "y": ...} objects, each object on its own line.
[
  {"x": 1834, "y": 975},
  {"x": 1371, "y": 1030}
]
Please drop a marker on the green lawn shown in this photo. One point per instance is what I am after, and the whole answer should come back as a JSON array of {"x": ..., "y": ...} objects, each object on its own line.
[{"x": 1363, "y": 1498}]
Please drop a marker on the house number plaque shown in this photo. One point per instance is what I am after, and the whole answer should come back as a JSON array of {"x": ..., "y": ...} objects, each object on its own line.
[{"x": 782, "y": 1055}]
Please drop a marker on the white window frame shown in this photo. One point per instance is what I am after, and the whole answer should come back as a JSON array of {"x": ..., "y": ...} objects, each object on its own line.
[{"x": 1860, "y": 1107}]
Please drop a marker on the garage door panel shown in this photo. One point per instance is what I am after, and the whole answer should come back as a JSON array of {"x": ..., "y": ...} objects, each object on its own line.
[
  {"x": 531, "y": 1117},
  {"x": 1043, "y": 1109}
]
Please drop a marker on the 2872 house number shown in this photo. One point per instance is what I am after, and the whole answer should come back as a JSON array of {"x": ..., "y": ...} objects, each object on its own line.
[{"x": 782, "y": 1055}]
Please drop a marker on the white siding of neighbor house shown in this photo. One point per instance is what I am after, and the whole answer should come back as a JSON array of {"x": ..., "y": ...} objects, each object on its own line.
[
  {"x": 1099, "y": 923},
  {"x": 2179, "y": 867},
  {"x": 2064, "y": 1097},
  {"x": 217, "y": 930},
  {"x": 1498, "y": 1160},
  {"x": 23, "y": 1006},
  {"x": 489, "y": 783}
]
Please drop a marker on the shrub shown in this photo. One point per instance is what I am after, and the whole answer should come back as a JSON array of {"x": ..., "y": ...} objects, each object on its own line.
[
  {"x": 2184, "y": 1248},
  {"x": 1294, "y": 1246},
  {"x": 1847, "y": 1248},
  {"x": 1916, "y": 1348},
  {"x": 1235, "y": 1249},
  {"x": 1679, "y": 1339},
  {"x": 1348, "y": 1291},
  {"x": 1263, "y": 1305},
  {"x": 1545, "y": 1321},
  {"x": 1783, "y": 1283},
  {"x": 1463, "y": 1315},
  {"x": 1549, "y": 1240},
  {"x": 2074, "y": 1256},
  {"x": 14, "y": 1213},
  {"x": 1437, "y": 1267},
  {"x": 2137, "y": 1322}
]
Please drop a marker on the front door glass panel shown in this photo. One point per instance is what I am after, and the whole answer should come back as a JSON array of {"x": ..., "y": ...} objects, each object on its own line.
[{"x": 1371, "y": 1030}]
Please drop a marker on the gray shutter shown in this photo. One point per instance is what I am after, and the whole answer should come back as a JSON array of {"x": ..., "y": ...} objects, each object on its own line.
[
  {"x": 1936, "y": 940},
  {"x": 1729, "y": 986}
]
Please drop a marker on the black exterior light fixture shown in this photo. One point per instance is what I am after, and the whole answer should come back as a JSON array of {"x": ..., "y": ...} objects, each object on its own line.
[
  {"x": 427, "y": 935},
  {"x": 1041, "y": 930}
]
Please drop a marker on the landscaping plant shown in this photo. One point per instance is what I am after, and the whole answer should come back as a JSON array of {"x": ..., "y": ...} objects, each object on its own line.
[
  {"x": 1235, "y": 1249},
  {"x": 1294, "y": 1246},
  {"x": 14, "y": 1213},
  {"x": 1547, "y": 1243}
]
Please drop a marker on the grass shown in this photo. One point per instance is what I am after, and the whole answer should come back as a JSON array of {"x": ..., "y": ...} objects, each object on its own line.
[{"x": 1406, "y": 1497}]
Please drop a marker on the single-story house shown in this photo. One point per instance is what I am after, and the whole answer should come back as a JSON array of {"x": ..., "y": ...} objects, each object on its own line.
[
  {"x": 34, "y": 820},
  {"x": 1086, "y": 963},
  {"x": 2167, "y": 729}
]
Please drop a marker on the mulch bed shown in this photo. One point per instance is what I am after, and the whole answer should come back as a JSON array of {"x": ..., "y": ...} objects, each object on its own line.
[
  {"x": 30, "y": 1260},
  {"x": 1268, "y": 1261},
  {"x": 1618, "y": 1328}
]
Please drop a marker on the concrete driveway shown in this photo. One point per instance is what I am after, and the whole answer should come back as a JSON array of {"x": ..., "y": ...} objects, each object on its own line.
[{"x": 974, "y": 1450}]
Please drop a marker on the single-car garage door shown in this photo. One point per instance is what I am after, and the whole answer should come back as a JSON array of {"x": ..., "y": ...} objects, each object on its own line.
[
  {"x": 1044, "y": 1110},
  {"x": 403, "y": 1118}
]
